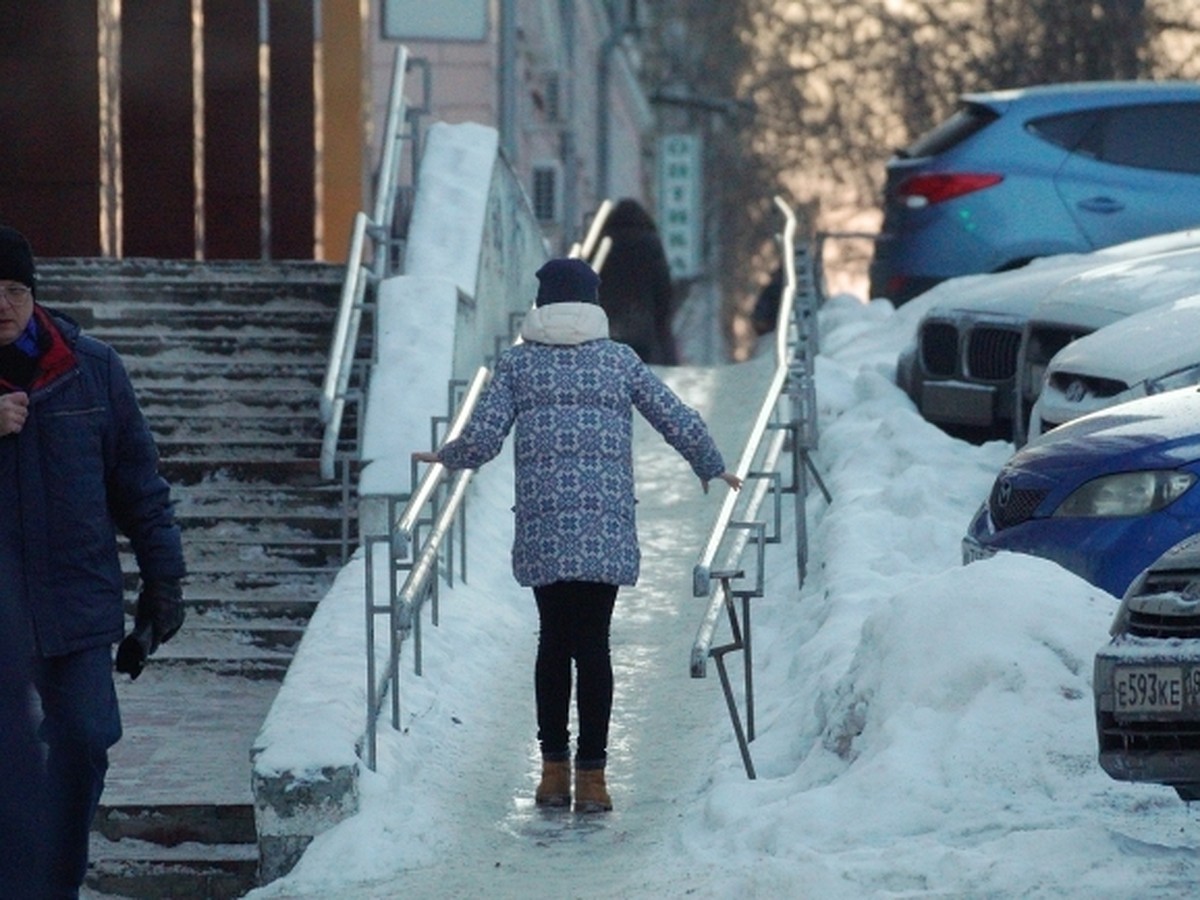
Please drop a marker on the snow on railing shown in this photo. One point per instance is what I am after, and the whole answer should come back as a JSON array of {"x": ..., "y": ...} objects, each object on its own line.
[{"x": 790, "y": 420}]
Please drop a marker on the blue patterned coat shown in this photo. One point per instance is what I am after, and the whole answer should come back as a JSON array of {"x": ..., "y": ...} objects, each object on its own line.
[{"x": 571, "y": 392}]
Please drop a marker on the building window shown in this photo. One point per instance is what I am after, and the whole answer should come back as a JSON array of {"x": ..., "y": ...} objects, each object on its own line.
[
  {"x": 546, "y": 199},
  {"x": 553, "y": 98}
]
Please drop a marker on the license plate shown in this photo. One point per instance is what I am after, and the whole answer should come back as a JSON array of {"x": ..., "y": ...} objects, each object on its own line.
[
  {"x": 1147, "y": 690},
  {"x": 958, "y": 403}
]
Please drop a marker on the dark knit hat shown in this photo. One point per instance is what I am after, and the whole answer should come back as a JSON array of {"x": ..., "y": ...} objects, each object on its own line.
[
  {"x": 16, "y": 258},
  {"x": 567, "y": 281}
]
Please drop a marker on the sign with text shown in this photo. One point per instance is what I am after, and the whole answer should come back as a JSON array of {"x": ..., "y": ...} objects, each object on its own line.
[
  {"x": 435, "y": 20},
  {"x": 680, "y": 206}
]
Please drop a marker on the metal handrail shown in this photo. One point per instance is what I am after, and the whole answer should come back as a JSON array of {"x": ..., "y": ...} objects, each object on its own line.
[
  {"x": 784, "y": 338},
  {"x": 404, "y": 604},
  {"x": 794, "y": 349},
  {"x": 588, "y": 246},
  {"x": 406, "y": 523},
  {"x": 335, "y": 389}
]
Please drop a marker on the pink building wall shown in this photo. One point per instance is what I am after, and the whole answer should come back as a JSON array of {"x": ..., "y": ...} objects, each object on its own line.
[{"x": 464, "y": 82}]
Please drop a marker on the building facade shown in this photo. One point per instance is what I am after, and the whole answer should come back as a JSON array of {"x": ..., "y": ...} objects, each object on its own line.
[{"x": 250, "y": 129}]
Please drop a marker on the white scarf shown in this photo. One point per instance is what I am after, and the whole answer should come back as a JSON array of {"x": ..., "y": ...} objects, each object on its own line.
[{"x": 565, "y": 324}]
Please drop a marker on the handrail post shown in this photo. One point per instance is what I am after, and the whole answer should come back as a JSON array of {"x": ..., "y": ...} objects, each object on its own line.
[{"x": 718, "y": 655}]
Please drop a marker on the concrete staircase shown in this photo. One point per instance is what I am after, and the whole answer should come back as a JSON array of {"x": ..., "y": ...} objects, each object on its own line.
[{"x": 227, "y": 361}]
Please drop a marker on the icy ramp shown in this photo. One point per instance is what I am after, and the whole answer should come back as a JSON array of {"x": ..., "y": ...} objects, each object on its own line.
[{"x": 451, "y": 814}]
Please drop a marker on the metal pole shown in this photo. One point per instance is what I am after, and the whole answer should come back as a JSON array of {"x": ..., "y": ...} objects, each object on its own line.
[
  {"x": 508, "y": 79},
  {"x": 567, "y": 152}
]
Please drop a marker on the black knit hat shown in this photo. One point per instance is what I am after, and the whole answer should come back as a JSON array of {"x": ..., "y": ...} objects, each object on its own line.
[
  {"x": 567, "y": 281},
  {"x": 16, "y": 258}
]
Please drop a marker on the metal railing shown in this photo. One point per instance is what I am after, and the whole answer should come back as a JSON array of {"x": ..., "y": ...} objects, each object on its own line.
[
  {"x": 785, "y": 421},
  {"x": 437, "y": 504},
  {"x": 377, "y": 229}
]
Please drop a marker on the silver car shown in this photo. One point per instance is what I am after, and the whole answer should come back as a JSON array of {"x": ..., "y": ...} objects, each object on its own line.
[{"x": 1146, "y": 681}]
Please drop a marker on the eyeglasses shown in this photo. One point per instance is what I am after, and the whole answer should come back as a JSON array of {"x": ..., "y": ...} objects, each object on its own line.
[{"x": 15, "y": 294}]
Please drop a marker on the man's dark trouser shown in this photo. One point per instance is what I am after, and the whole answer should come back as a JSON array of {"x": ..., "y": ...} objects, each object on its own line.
[
  {"x": 22, "y": 800},
  {"x": 80, "y": 722},
  {"x": 575, "y": 618}
]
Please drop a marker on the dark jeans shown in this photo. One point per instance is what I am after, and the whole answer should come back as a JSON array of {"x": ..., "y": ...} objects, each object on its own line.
[
  {"x": 22, "y": 799},
  {"x": 80, "y": 721},
  {"x": 575, "y": 618}
]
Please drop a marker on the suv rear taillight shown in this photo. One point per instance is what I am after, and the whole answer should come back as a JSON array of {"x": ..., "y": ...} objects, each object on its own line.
[{"x": 925, "y": 190}]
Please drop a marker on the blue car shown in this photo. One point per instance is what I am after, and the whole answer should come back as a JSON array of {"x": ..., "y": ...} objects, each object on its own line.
[
  {"x": 1104, "y": 495},
  {"x": 1018, "y": 174}
]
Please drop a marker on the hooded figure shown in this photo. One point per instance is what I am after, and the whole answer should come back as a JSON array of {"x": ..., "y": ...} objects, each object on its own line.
[{"x": 636, "y": 288}]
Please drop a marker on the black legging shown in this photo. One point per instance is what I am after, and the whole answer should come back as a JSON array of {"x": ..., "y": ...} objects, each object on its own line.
[{"x": 575, "y": 618}]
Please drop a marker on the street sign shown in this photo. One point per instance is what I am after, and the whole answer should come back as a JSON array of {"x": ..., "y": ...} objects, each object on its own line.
[{"x": 680, "y": 206}]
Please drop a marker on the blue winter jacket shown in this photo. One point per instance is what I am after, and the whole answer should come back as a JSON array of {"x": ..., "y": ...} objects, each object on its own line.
[
  {"x": 571, "y": 392},
  {"x": 83, "y": 468}
]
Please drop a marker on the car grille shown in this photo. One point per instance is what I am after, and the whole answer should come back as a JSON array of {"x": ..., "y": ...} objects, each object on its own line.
[
  {"x": 1091, "y": 386},
  {"x": 1177, "y": 619},
  {"x": 1141, "y": 738},
  {"x": 1047, "y": 340},
  {"x": 1156, "y": 625},
  {"x": 1018, "y": 508},
  {"x": 992, "y": 353},
  {"x": 1179, "y": 581},
  {"x": 939, "y": 349}
]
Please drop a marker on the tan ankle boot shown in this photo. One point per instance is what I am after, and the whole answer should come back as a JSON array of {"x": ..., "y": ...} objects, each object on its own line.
[
  {"x": 590, "y": 793},
  {"x": 555, "y": 787}
]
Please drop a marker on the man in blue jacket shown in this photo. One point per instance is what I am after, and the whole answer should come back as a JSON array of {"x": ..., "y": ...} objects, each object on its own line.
[{"x": 78, "y": 465}]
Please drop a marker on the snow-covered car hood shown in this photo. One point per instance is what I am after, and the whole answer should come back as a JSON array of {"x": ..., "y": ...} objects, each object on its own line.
[
  {"x": 1161, "y": 431},
  {"x": 1017, "y": 292},
  {"x": 1099, "y": 296},
  {"x": 1149, "y": 344}
]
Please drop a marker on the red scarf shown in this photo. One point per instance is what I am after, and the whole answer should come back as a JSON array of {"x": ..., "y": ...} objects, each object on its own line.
[{"x": 56, "y": 357}]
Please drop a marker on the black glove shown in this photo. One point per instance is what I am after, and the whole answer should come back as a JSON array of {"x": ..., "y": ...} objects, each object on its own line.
[{"x": 159, "y": 615}]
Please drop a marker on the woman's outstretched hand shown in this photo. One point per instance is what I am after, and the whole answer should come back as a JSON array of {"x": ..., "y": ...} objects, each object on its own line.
[
  {"x": 729, "y": 478},
  {"x": 425, "y": 456}
]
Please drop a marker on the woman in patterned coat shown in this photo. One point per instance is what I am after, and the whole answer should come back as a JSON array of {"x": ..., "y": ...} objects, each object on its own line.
[{"x": 570, "y": 391}]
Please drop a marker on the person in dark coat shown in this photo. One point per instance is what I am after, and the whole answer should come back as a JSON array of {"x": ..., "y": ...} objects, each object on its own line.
[
  {"x": 766, "y": 307},
  {"x": 570, "y": 392},
  {"x": 635, "y": 290},
  {"x": 78, "y": 465}
]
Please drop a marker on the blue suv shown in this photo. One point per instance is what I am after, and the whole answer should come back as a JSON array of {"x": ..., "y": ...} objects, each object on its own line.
[{"x": 1017, "y": 174}]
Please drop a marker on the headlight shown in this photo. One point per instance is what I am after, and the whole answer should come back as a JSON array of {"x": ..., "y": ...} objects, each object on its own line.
[
  {"x": 1182, "y": 378},
  {"x": 1127, "y": 494}
]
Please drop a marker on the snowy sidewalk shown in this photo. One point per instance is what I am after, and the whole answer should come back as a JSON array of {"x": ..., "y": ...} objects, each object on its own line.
[{"x": 451, "y": 812}]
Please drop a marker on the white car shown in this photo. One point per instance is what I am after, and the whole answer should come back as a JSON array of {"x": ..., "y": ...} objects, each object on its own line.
[
  {"x": 961, "y": 368},
  {"x": 1147, "y": 353},
  {"x": 1090, "y": 301}
]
